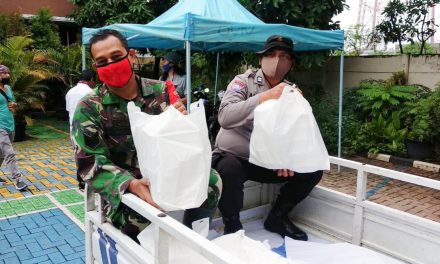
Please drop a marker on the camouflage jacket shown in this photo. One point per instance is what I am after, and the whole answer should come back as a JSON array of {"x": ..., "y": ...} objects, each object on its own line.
[{"x": 104, "y": 150}]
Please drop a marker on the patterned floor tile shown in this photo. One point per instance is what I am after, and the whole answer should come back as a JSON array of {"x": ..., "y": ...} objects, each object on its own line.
[
  {"x": 41, "y": 237},
  {"x": 47, "y": 165},
  {"x": 77, "y": 211},
  {"x": 68, "y": 197},
  {"x": 20, "y": 206}
]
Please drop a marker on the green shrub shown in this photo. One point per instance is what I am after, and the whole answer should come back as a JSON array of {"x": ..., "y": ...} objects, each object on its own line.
[
  {"x": 325, "y": 111},
  {"x": 379, "y": 112},
  {"x": 44, "y": 31},
  {"x": 384, "y": 97},
  {"x": 326, "y": 115},
  {"x": 12, "y": 25},
  {"x": 383, "y": 135},
  {"x": 415, "y": 49}
]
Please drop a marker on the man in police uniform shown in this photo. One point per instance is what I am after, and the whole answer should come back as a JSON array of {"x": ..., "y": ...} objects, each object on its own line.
[{"x": 231, "y": 153}]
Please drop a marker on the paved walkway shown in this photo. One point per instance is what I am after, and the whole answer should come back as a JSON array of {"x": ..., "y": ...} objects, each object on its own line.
[
  {"x": 47, "y": 166},
  {"x": 407, "y": 197},
  {"x": 45, "y": 223}
]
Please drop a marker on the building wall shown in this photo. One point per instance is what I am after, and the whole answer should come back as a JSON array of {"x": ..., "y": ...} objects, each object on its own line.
[
  {"x": 61, "y": 8},
  {"x": 424, "y": 70}
]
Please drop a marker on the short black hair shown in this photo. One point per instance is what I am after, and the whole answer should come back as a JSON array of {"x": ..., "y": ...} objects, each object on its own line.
[
  {"x": 104, "y": 34},
  {"x": 86, "y": 75}
]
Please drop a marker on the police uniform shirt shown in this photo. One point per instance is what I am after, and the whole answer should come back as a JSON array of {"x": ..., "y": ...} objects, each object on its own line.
[{"x": 236, "y": 113}]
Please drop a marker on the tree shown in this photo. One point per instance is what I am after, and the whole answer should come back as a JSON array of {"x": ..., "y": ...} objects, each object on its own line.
[
  {"x": 394, "y": 27},
  {"x": 98, "y": 13},
  {"x": 406, "y": 20},
  {"x": 29, "y": 68},
  {"x": 304, "y": 13},
  {"x": 418, "y": 16},
  {"x": 44, "y": 31},
  {"x": 357, "y": 38},
  {"x": 301, "y": 13},
  {"x": 12, "y": 25},
  {"x": 69, "y": 63}
]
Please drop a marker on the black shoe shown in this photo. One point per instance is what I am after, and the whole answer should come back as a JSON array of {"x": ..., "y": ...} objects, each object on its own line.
[
  {"x": 232, "y": 224},
  {"x": 284, "y": 227},
  {"x": 20, "y": 185},
  {"x": 81, "y": 186},
  {"x": 131, "y": 231}
]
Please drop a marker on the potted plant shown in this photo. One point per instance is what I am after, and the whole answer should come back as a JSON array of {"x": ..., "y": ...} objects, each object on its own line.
[{"x": 422, "y": 131}]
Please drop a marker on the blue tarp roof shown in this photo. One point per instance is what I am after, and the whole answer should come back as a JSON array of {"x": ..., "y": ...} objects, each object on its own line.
[{"x": 217, "y": 25}]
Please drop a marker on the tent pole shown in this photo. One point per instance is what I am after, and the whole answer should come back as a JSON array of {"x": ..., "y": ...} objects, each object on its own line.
[
  {"x": 188, "y": 74},
  {"x": 341, "y": 91},
  {"x": 83, "y": 54},
  {"x": 216, "y": 77}
]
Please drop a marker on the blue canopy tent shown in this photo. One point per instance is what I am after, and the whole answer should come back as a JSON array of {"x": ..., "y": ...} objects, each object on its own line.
[{"x": 214, "y": 25}]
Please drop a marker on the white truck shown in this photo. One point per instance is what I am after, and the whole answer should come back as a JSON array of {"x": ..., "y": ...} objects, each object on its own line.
[{"x": 325, "y": 213}]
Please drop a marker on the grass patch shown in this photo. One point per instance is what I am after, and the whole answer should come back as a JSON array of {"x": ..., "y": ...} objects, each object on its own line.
[{"x": 41, "y": 131}]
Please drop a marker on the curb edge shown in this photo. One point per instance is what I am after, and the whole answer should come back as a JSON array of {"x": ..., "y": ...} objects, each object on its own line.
[{"x": 405, "y": 162}]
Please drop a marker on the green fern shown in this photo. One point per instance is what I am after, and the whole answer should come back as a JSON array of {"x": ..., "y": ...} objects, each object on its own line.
[{"x": 383, "y": 97}]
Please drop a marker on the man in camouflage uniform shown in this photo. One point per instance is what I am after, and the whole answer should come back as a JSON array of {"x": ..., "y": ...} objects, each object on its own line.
[
  {"x": 230, "y": 157},
  {"x": 104, "y": 149}
]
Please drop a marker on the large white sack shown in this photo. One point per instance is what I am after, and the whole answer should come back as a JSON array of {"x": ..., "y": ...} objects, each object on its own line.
[
  {"x": 248, "y": 250},
  {"x": 240, "y": 247},
  {"x": 286, "y": 135},
  {"x": 174, "y": 153}
]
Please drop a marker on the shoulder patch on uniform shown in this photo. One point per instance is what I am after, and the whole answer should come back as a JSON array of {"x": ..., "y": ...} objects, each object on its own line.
[{"x": 237, "y": 86}]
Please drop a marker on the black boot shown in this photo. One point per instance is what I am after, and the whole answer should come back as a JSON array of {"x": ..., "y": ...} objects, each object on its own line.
[
  {"x": 278, "y": 222},
  {"x": 195, "y": 214},
  {"x": 232, "y": 224}
]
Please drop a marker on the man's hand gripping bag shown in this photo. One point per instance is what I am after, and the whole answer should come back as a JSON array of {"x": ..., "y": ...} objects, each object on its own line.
[
  {"x": 174, "y": 154},
  {"x": 286, "y": 135}
]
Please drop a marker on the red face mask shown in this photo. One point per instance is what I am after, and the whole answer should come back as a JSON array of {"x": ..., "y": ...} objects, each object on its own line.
[{"x": 117, "y": 73}]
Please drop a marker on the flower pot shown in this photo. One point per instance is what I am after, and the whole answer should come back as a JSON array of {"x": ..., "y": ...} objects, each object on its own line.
[{"x": 419, "y": 150}]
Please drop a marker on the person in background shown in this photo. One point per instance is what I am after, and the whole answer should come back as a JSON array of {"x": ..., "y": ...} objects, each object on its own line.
[
  {"x": 172, "y": 72},
  {"x": 73, "y": 96},
  {"x": 7, "y": 128},
  {"x": 231, "y": 153}
]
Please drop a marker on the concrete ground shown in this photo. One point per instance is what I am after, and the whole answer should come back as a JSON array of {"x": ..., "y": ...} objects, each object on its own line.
[{"x": 45, "y": 223}]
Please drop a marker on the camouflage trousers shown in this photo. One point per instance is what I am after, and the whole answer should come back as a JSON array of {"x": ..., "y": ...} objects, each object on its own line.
[
  {"x": 7, "y": 153},
  {"x": 131, "y": 223}
]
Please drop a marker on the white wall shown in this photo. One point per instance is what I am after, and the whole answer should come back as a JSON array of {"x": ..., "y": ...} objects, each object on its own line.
[{"x": 424, "y": 70}]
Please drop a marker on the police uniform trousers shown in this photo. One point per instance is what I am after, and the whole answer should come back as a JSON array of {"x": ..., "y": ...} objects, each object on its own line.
[{"x": 235, "y": 171}]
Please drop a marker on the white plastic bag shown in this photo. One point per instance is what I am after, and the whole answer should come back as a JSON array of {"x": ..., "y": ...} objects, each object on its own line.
[
  {"x": 239, "y": 246},
  {"x": 174, "y": 154},
  {"x": 248, "y": 250},
  {"x": 286, "y": 135}
]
